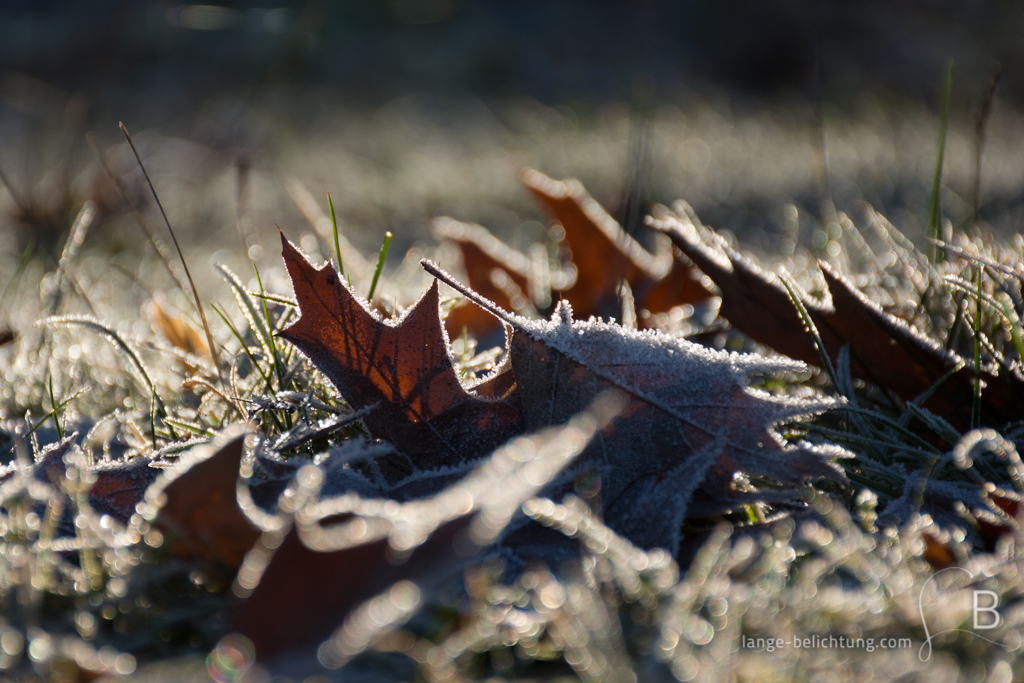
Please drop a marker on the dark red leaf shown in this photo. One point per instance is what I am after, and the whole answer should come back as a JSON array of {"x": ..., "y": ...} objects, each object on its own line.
[
  {"x": 199, "y": 512},
  {"x": 482, "y": 254},
  {"x": 304, "y": 594},
  {"x": 884, "y": 350},
  {"x": 689, "y": 422},
  {"x": 405, "y": 366},
  {"x": 603, "y": 254}
]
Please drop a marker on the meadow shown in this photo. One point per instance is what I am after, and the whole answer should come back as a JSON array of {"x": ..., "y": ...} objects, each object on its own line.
[{"x": 144, "y": 339}]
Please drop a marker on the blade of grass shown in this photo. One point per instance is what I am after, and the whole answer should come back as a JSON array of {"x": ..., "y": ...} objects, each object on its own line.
[
  {"x": 334, "y": 225},
  {"x": 273, "y": 346},
  {"x": 813, "y": 331},
  {"x": 56, "y": 410},
  {"x": 63, "y": 275},
  {"x": 276, "y": 298},
  {"x": 191, "y": 283},
  {"x": 248, "y": 308},
  {"x": 976, "y": 403},
  {"x": 1012, "y": 323},
  {"x": 979, "y": 137},
  {"x": 927, "y": 393},
  {"x": 1003, "y": 310},
  {"x": 935, "y": 213},
  {"x": 889, "y": 424},
  {"x": 259, "y": 368},
  {"x": 936, "y": 424},
  {"x": 157, "y": 406},
  {"x": 380, "y": 265},
  {"x": 241, "y": 342},
  {"x": 189, "y": 427},
  {"x": 111, "y": 336},
  {"x": 158, "y": 244},
  {"x": 59, "y": 406}
]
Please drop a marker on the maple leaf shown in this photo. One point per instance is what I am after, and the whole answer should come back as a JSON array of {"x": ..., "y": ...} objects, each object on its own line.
[
  {"x": 482, "y": 255},
  {"x": 603, "y": 253},
  {"x": 689, "y": 425},
  {"x": 405, "y": 367},
  {"x": 884, "y": 350},
  {"x": 603, "y": 256},
  {"x": 683, "y": 284}
]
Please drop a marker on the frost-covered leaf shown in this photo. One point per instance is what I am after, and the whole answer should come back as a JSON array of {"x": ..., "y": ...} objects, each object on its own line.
[
  {"x": 690, "y": 423},
  {"x": 197, "y": 504},
  {"x": 405, "y": 366},
  {"x": 340, "y": 551},
  {"x": 117, "y": 487},
  {"x": 884, "y": 350},
  {"x": 690, "y": 426}
]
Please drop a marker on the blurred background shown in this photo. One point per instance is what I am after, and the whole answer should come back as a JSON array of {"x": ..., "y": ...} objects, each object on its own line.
[{"x": 756, "y": 112}]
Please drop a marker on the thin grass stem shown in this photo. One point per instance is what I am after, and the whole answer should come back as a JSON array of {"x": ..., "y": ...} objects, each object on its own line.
[
  {"x": 976, "y": 403},
  {"x": 158, "y": 244},
  {"x": 56, "y": 410},
  {"x": 337, "y": 244},
  {"x": 174, "y": 238},
  {"x": 273, "y": 346},
  {"x": 935, "y": 212},
  {"x": 813, "y": 331},
  {"x": 241, "y": 342},
  {"x": 59, "y": 406},
  {"x": 275, "y": 298},
  {"x": 380, "y": 265}
]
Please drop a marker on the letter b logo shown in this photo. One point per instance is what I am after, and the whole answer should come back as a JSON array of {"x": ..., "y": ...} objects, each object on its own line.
[{"x": 991, "y": 608}]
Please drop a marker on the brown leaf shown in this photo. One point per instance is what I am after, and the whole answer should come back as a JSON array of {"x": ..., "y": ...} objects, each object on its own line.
[
  {"x": 884, "y": 350},
  {"x": 688, "y": 426},
  {"x": 304, "y": 594},
  {"x": 684, "y": 284},
  {"x": 346, "y": 550},
  {"x": 198, "y": 506},
  {"x": 193, "y": 503},
  {"x": 121, "y": 486},
  {"x": 690, "y": 423},
  {"x": 117, "y": 486},
  {"x": 603, "y": 254},
  {"x": 424, "y": 410},
  {"x": 179, "y": 332},
  {"x": 482, "y": 254}
]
